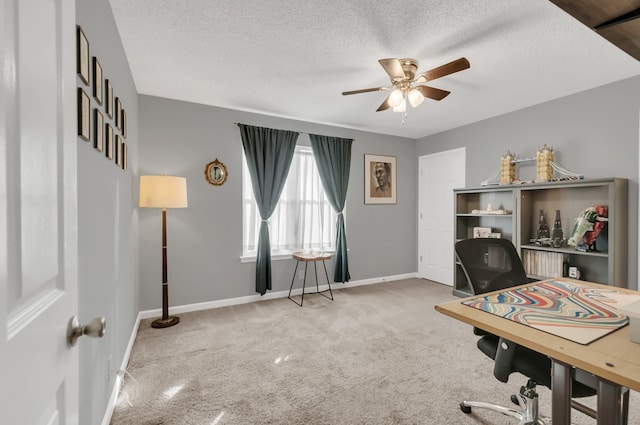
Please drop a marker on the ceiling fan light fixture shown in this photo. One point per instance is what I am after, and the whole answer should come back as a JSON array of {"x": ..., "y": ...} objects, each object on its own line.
[
  {"x": 415, "y": 97},
  {"x": 402, "y": 73},
  {"x": 396, "y": 98},
  {"x": 402, "y": 107}
]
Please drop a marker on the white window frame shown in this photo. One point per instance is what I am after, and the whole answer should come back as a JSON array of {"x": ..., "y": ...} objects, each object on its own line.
[{"x": 327, "y": 215}]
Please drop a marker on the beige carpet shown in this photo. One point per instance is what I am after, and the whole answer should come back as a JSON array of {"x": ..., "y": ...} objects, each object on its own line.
[{"x": 378, "y": 354}]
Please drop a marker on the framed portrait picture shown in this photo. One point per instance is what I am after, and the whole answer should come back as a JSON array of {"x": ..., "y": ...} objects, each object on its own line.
[
  {"x": 97, "y": 81},
  {"x": 108, "y": 141},
  {"x": 82, "y": 54},
  {"x": 84, "y": 115},
  {"x": 98, "y": 125},
  {"x": 108, "y": 94},
  {"x": 379, "y": 179}
]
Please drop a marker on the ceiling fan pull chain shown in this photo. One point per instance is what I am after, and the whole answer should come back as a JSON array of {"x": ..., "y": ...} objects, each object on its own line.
[{"x": 404, "y": 117}]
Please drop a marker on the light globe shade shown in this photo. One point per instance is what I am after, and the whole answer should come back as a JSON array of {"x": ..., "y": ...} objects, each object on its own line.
[
  {"x": 402, "y": 107},
  {"x": 163, "y": 192},
  {"x": 395, "y": 98},
  {"x": 415, "y": 97}
]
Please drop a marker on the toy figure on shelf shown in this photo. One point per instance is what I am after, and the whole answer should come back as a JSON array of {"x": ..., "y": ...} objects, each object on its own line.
[
  {"x": 588, "y": 226},
  {"x": 543, "y": 229},
  {"x": 556, "y": 233}
]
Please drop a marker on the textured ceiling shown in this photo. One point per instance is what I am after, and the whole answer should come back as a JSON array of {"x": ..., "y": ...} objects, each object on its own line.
[{"x": 293, "y": 59}]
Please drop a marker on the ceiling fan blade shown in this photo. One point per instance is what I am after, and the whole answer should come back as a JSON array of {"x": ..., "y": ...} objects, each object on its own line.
[
  {"x": 384, "y": 105},
  {"x": 634, "y": 14},
  {"x": 432, "y": 92},
  {"x": 393, "y": 68},
  {"x": 346, "y": 93},
  {"x": 446, "y": 69}
]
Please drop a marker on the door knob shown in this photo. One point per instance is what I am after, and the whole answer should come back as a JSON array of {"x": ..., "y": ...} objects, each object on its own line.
[{"x": 94, "y": 329}]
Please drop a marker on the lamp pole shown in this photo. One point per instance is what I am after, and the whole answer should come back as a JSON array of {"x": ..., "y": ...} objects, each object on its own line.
[{"x": 165, "y": 321}]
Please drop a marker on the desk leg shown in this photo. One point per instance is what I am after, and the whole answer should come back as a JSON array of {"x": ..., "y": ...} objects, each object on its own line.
[
  {"x": 612, "y": 406},
  {"x": 560, "y": 393}
]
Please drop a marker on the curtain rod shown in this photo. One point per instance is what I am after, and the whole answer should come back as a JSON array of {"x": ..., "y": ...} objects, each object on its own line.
[{"x": 301, "y": 132}]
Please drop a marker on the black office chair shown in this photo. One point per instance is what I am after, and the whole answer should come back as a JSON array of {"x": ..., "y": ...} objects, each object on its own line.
[{"x": 491, "y": 265}]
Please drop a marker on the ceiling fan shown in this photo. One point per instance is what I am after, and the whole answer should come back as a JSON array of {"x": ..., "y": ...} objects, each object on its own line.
[{"x": 403, "y": 75}]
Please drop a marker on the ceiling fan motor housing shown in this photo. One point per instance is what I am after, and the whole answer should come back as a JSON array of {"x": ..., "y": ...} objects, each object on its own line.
[{"x": 409, "y": 66}]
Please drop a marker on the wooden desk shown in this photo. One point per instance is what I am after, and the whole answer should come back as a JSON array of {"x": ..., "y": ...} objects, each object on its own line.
[{"x": 613, "y": 359}]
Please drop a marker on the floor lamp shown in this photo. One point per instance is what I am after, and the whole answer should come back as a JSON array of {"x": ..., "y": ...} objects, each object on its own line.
[{"x": 163, "y": 192}]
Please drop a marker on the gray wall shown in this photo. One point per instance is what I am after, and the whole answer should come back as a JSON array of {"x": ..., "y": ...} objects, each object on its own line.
[
  {"x": 107, "y": 223},
  {"x": 205, "y": 240},
  {"x": 594, "y": 133}
]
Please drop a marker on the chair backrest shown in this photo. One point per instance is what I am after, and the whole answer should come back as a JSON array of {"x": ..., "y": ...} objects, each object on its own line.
[{"x": 490, "y": 264}]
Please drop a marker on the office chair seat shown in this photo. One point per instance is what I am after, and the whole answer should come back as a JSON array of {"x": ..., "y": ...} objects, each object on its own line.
[
  {"x": 491, "y": 265},
  {"x": 532, "y": 364}
]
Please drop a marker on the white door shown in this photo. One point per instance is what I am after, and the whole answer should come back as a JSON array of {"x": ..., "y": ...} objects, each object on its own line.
[
  {"x": 38, "y": 232},
  {"x": 440, "y": 173}
]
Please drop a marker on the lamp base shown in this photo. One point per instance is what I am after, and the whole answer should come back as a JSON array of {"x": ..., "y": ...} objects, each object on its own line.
[{"x": 165, "y": 323}]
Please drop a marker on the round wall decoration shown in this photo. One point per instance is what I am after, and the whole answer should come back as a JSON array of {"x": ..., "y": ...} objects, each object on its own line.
[{"x": 216, "y": 173}]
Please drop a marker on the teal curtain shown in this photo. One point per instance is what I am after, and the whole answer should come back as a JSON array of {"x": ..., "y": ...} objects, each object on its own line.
[
  {"x": 269, "y": 153},
  {"x": 333, "y": 158}
]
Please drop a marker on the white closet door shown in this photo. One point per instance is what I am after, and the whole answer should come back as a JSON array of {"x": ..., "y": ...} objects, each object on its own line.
[{"x": 440, "y": 173}]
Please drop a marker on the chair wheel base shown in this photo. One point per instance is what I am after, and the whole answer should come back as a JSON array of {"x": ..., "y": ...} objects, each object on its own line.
[
  {"x": 465, "y": 408},
  {"x": 514, "y": 399}
]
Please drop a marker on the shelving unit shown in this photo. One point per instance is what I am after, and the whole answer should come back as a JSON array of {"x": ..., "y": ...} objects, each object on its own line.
[
  {"x": 467, "y": 200},
  {"x": 608, "y": 265}
]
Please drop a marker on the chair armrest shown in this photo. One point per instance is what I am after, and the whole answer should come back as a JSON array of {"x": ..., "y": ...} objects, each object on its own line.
[{"x": 504, "y": 358}]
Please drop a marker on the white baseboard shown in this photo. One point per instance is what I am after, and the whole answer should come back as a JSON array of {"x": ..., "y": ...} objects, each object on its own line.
[
  {"x": 147, "y": 314},
  {"x": 118, "y": 381}
]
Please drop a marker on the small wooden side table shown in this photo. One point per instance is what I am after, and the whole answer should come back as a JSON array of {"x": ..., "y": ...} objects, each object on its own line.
[{"x": 308, "y": 257}]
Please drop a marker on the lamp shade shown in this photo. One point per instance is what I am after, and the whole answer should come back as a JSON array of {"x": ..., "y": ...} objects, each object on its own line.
[
  {"x": 402, "y": 106},
  {"x": 163, "y": 192},
  {"x": 415, "y": 97},
  {"x": 395, "y": 98}
]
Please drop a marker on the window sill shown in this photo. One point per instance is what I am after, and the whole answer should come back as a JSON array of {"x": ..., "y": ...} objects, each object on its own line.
[{"x": 279, "y": 255}]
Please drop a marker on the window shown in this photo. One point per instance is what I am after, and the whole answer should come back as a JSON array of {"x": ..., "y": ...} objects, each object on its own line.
[{"x": 303, "y": 219}]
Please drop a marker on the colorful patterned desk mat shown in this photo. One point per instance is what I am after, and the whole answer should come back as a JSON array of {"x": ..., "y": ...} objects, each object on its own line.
[{"x": 569, "y": 310}]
